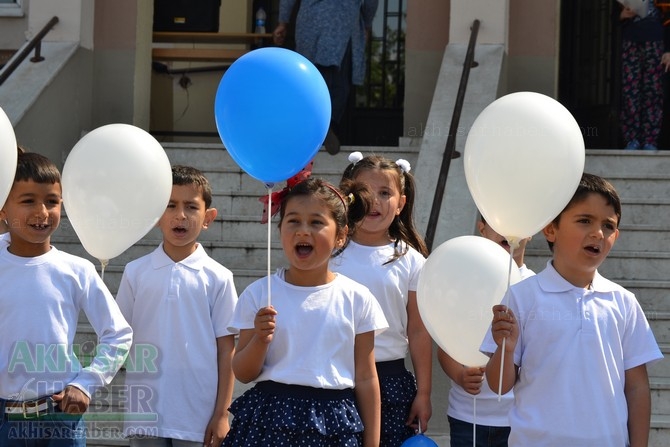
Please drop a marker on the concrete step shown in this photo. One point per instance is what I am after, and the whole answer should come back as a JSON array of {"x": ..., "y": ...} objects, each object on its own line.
[
  {"x": 660, "y": 395},
  {"x": 661, "y": 368},
  {"x": 644, "y": 211},
  {"x": 608, "y": 163}
]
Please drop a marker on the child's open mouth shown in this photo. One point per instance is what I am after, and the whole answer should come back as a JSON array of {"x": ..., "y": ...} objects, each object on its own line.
[
  {"x": 179, "y": 230},
  {"x": 592, "y": 249},
  {"x": 303, "y": 249}
]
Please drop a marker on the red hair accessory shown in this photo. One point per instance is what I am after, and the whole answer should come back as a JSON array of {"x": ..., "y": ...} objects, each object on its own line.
[{"x": 278, "y": 196}]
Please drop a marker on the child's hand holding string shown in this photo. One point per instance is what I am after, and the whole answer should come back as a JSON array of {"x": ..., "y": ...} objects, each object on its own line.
[
  {"x": 264, "y": 323},
  {"x": 504, "y": 326}
]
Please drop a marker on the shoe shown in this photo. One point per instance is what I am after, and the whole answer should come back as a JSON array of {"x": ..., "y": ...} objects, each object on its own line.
[
  {"x": 632, "y": 145},
  {"x": 649, "y": 147},
  {"x": 332, "y": 143}
]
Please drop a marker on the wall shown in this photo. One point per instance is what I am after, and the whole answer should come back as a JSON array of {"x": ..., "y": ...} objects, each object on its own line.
[
  {"x": 121, "y": 69},
  {"x": 423, "y": 57},
  {"x": 533, "y": 46},
  {"x": 531, "y": 63},
  {"x": 14, "y": 24}
]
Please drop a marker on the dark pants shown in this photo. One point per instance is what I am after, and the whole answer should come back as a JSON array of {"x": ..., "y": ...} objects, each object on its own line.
[
  {"x": 51, "y": 429},
  {"x": 461, "y": 434},
  {"x": 338, "y": 80}
]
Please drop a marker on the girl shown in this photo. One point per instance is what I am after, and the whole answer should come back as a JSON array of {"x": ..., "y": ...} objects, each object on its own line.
[
  {"x": 386, "y": 254},
  {"x": 311, "y": 351}
]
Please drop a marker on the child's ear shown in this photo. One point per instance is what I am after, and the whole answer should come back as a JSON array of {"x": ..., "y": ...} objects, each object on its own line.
[
  {"x": 210, "y": 215},
  {"x": 480, "y": 227},
  {"x": 401, "y": 203},
  {"x": 550, "y": 232},
  {"x": 341, "y": 237}
]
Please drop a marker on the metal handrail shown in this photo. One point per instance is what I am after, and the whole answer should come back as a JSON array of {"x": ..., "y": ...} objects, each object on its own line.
[
  {"x": 449, "y": 151},
  {"x": 34, "y": 43}
]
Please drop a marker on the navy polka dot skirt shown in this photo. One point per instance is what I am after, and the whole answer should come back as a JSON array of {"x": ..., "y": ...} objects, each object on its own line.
[
  {"x": 276, "y": 414},
  {"x": 398, "y": 390}
]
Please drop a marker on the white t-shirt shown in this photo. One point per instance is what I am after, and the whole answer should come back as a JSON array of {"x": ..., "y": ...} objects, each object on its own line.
[
  {"x": 389, "y": 283},
  {"x": 313, "y": 343},
  {"x": 573, "y": 350},
  {"x": 177, "y": 311},
  {"x": 488, "y": 410},
  {"x": 40, "y": 301},
  {"x": 4, "y": 239}
]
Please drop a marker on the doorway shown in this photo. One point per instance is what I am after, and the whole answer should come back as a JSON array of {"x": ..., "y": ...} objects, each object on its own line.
[{"x": 589, "y": 61}]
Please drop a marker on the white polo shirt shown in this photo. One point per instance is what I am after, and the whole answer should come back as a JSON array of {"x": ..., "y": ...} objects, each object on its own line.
[{"x": 573, "y": 350}]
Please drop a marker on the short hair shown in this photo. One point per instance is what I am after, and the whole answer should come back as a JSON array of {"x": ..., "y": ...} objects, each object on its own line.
[
  {"x": 36, "y": 167},
  {"x": 187, "y": 175},
  {"x": 592, "y": 184}
]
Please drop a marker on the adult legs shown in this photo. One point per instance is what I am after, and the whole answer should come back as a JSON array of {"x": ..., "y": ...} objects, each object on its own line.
[{"x": 630, "y": 94}]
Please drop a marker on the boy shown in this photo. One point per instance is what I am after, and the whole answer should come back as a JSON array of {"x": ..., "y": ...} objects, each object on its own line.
[
  {"x": 44, "y": 390},
  {"x": 577, "y": 344},
  {"x": 467, "y": 381},
  {"x": 180, "y": 302}
]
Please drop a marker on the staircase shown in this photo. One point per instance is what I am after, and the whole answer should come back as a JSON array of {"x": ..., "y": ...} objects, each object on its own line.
[{"x": 640, "y": 260}]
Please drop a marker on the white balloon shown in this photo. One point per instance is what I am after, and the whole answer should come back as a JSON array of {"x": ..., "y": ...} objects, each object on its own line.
[
  {"x": 117, "y": 182},
  {"x": 523, "y": 160},
  {"x": 7, "y": 157},
  {"x": 460, "y": 282}
]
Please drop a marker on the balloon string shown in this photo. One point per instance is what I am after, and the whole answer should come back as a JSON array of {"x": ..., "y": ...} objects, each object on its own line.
[
  {"x": 103, "y": 263},
  {"x": 474, "y": 424},
  {"x": 420, "y": 426},
  {"x": 269, "y": 245},
  {"x": 502, "y": 354}
]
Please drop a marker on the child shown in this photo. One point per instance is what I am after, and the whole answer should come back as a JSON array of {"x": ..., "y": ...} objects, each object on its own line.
[
  {"x": 577, "y": 344},
  {"x": 492, "y": 425},
  {"x": 4, "y": 226},
  {"x": 44, "y": 389},
  {"x": 179, "y": 302},
  {"x": 386, "y": 255},
  {"x": 311, "y": 352}
]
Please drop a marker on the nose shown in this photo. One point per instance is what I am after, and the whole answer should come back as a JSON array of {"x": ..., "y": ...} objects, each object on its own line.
[
  {"x": 41, "y": 210},
  {"x": 302, "y": 230}
]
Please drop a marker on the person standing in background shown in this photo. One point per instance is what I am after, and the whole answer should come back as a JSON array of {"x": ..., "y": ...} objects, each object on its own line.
[
  {"x": 641, "y": 79},
  {"x": 332, "y": 35}
]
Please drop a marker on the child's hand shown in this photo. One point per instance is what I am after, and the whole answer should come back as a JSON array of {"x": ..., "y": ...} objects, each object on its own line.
[
  {"x": 504, "y": 326},
  {"x": 665, "y": 61},
  {"x": 72, "y": 400},
  {"x": 264, "y": 323},
  {"x": 627, "y": 13},
  {"x": 471, "y": 379}
]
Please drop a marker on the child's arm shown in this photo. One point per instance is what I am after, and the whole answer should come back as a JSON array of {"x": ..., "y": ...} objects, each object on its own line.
[
  {"x": 421, "y": 352},
  {"x": 253, "y": 344},
  {"x": 504, "y": 326},
  {"x": 218, "y": 426},
  {"x": 368, "y": 396},
  {"x": 469, "y": 378},
  {"x": 639, "y": 405}
]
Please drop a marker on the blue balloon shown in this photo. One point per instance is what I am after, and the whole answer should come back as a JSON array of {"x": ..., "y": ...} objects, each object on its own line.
[
  {"x": 272, "y": 111},
  {"x": 419, "y": 441}
]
